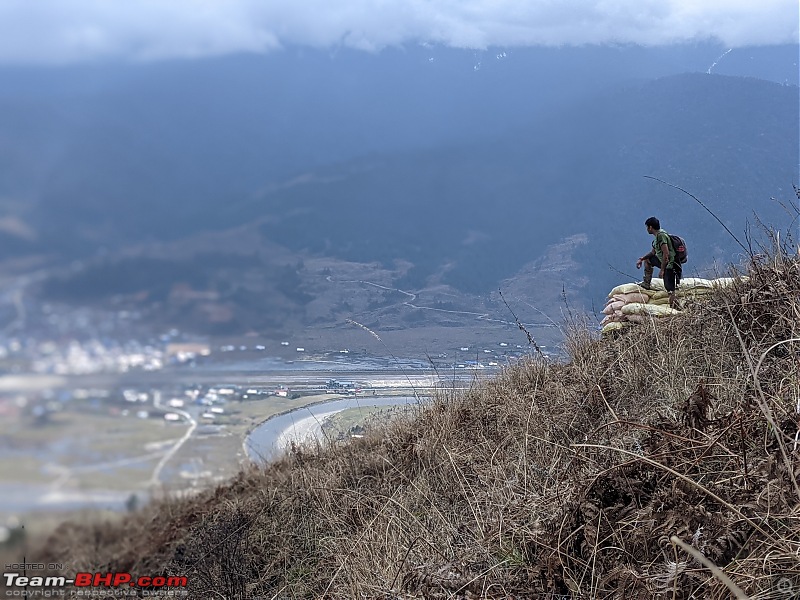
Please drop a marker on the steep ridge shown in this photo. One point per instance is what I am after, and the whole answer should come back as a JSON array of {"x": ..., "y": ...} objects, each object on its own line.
[{"x": 640, "y": 467}]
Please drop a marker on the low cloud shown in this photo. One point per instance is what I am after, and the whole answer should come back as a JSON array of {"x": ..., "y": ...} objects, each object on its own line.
[{"x": 65, "y": 31}]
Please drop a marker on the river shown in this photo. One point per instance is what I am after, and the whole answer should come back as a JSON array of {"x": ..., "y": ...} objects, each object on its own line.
[{"x": 304, "y": 424}]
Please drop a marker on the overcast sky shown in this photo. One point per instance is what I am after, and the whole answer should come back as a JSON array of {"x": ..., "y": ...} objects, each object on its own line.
[{"x": 68, "y": 31}]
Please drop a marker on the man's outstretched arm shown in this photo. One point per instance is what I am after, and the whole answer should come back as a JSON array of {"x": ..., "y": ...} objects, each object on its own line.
[{"x": 644, "y": 258}]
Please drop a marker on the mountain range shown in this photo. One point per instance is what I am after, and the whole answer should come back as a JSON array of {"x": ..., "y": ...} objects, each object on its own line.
[{"x": 232, "y": 195}]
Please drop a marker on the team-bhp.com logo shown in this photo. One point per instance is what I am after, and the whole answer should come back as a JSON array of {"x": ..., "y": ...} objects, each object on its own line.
[{"x": 28, "y": 586}]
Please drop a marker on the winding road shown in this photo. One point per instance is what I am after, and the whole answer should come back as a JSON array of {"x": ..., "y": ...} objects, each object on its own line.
[
  {"x": 155, "y": 478},
  {"x": 410, "y": 303}
]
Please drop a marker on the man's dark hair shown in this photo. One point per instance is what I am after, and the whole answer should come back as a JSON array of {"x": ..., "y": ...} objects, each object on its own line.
[{"x": 653, "y": 222}]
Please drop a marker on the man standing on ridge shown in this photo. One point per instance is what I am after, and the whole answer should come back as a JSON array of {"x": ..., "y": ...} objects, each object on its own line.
[{"x": 662, "y": 255}]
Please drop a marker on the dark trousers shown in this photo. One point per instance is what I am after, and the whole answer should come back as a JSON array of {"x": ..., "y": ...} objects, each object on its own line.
[{"x": 672, "y": 275}]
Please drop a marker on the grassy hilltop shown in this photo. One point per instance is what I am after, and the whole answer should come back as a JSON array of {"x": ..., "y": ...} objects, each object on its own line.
[{"x": 657, "y": 462}]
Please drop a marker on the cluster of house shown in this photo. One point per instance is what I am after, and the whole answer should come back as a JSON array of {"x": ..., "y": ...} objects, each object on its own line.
[{"x": 350, "y": 388}]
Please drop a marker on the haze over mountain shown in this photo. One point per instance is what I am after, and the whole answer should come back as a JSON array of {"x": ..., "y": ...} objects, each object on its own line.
[{"x": 447, "y": 167}]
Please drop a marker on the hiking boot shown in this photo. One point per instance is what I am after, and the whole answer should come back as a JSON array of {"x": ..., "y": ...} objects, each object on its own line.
[
  {"x": 648, "y": 276},
  {"x": 644, "y": 284}
]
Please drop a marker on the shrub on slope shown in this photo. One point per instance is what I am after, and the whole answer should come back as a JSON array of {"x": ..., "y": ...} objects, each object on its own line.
[{"x": 623, "y": 472}]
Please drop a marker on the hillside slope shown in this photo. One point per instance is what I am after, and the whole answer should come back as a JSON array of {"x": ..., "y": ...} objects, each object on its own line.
[
  {"x": 469, "y": 216},
  {"x": 554, "y": 480},
  {"x": 486, "y": 208}
]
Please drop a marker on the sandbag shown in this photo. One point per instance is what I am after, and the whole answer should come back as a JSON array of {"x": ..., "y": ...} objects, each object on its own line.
[
  {"x": 635, "y": 309},
  {"x": 695, "y": 282},
  {"x": 616, "y": 317},
  {"x": 659, "y": 295},
  {"x": 648, "y": 293},
  {"x": 634, "y": 288},
  {"x": 612, "y": 307},
  {"x": 693, "y": 292},
  {"x": 656, "y": 310},
  {"x": 660, "y": 301},
  {"x": 633, "y": 297},
  {"x": 625, "y": 288},
  {"x": 614, "y": 326}
]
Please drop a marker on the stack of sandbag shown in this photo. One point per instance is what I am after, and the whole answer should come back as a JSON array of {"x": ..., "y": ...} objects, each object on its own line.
[
  {"x": 631, "y": 303},
  {"x": 696, "y": 287}
]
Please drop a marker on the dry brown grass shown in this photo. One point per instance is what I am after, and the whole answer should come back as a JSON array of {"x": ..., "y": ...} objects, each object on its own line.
[{"x": 660, "y": 462}]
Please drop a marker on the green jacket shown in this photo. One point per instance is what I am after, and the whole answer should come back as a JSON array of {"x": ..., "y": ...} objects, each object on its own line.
[{"x": 662, "y": 237}]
